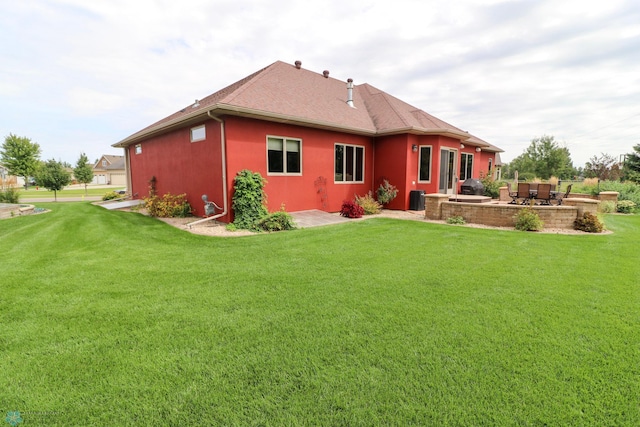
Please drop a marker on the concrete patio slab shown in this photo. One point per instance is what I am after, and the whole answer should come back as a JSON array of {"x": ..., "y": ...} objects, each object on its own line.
[
  {"x": 121, "y": 204},
  {"x": 315, "y": 218}
]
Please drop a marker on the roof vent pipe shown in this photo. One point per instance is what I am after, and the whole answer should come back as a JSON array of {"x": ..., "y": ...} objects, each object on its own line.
[
  {"x": 298, "y": 64},
  {"x": 325, "y": 73},
  {"x": 350, "y": 93}
]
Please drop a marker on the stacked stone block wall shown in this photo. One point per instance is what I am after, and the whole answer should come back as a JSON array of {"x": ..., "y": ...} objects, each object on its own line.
[{"x": 438, "y": 207}]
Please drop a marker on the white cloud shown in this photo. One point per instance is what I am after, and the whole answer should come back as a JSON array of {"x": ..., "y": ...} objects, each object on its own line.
[{"x": 507, "y": 71}]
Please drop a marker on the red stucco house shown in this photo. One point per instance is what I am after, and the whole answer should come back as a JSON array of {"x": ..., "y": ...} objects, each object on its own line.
[{"x": 316, "y": 140}]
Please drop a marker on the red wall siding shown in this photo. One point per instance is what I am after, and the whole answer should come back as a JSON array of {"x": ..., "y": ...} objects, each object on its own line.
[
  {"x": 180, "y": 166},
  {"x": 315, "y": 188},
  {"x": 391, "y": 164},
  {"x": 396, "y": 161}
]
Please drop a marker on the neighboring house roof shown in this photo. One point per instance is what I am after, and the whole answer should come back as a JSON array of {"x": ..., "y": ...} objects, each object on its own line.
[
  {"x": 113, "y": 162},
  {"x": 288, "y": 93}
]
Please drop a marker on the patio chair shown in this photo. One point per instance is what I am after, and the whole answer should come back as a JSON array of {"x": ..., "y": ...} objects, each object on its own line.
[
  {"x": 543, "y": 195},
  {"x": 512, "y": 194},
  {"x": 523, "y": 192},
  {"x": 561, "y": 196}
]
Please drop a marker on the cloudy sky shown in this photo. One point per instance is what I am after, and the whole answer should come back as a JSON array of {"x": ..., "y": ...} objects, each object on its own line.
[{"x": 77, "y": 76}]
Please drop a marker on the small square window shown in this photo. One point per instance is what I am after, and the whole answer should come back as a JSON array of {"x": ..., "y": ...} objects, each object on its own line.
[
  {"x": 198, "y": 133},
  {"x": 138, "y": 148}
]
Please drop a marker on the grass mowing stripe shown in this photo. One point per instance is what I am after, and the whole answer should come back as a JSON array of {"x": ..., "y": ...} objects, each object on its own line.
[{"x": 374, "y": 322}]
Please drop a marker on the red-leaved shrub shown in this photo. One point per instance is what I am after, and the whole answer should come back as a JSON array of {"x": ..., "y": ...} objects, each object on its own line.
[{"x": 351, "y": 209}]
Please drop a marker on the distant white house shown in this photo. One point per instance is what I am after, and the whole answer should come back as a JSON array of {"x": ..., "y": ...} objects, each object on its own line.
[{"x": 110, "y": 170}]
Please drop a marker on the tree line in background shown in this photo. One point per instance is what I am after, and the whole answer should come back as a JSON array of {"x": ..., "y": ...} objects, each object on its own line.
[
  {"x": 545, "y": 158},
  {"x": 21, "y": 157}
]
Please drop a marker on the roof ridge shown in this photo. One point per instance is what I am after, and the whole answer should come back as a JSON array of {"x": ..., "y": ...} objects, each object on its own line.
[{"x": 244, "y": 84}]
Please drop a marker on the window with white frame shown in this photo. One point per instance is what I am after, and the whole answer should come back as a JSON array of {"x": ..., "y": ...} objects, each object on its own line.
[
  {"x": 198, "y": 133},
  {"x": 349, "y": 163},
  {"x": 284, "y": 155},
  {"x": 138, "y": 149},
  {"x": 466, "y": 166},
  {"x": 424, "y": 170}
]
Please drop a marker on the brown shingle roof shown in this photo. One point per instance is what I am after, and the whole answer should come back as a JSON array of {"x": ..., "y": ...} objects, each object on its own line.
[{"x": 282, "y": 92}]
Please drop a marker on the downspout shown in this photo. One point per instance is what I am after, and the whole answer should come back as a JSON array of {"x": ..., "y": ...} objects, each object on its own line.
[
  {"x": 127, "y": 163},
  {"x": 223, "y": 153}
]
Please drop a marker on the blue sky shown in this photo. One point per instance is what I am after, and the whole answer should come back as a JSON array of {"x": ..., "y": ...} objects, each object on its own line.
[{"x": 77, "y": 76}]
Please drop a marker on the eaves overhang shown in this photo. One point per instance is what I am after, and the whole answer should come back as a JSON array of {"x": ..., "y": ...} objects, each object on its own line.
[{"x": 233, "y": 110}]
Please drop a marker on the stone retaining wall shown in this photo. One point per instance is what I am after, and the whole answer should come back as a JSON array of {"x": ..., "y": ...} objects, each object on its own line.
[{"x": 438, "y": 207}]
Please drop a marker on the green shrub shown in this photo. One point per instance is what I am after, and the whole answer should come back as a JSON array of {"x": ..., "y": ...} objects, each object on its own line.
[
  {"x": 491, "y": 186},
  {"x": 589, "y": 223},
  {"x": 457, "y": 220},
  {"x": 607, "y": 206},
  {"x": 369, "y": 204},
  {"x": 231, "y": 227},
  {"x": 626, "y": 206},
  {"x": 10, "y": 195},
  {"x": 386, "y": 192},
  {"x": 527, "y": 219},
  {"x": 351, "y": 209},
  {"x": 277, "y": 221},
  {"x": 626, "y": 190},
  {"x": 249, "y": 199},
  {"x": 168, "y": 206},
  {"x": 111, "y": 195}
]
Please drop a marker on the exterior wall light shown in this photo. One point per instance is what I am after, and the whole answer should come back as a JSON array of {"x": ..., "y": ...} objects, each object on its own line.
[
  {"x": 414, "y": 148},
  {"x": 478, "y": 149}
]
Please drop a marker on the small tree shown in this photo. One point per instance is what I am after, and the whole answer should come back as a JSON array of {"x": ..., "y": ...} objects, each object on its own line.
[
  {"x": 632, "y": 165},
  {"x": 605, "y": 167},
  {"x": 20, "y": 156},
  {"x": 83, "y": 171},
  {"x": 52, "y": 176}
]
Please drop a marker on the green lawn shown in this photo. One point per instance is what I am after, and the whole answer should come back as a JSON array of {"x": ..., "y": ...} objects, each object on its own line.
[
  {"x": 112, "y": 318},
  {"x": 66, "y": 192}
]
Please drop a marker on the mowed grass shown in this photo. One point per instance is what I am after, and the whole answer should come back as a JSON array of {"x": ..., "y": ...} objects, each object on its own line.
[
  {"x": 113, "y": 318},
  {"x": 41, "y": 192}
]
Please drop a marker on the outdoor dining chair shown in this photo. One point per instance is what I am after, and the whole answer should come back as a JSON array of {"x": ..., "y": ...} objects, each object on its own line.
[
  {"x": 524, "y": 192},
  {"x": 543, "y": 195},
  {"x": 512, "y": 194},
  {"x": 561, "y": 196}
]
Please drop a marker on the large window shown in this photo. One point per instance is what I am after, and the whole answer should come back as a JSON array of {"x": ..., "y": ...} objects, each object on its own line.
[
  {"x": 424, "y": 173},
  {"x": 349, "y": 163},
  {"x": 284, "y": 155},
  {"x": 466, "y": 166}
]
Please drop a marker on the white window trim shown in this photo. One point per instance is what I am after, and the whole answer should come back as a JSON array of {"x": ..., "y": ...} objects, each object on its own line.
[
  {"x": 420, "y": 147},
  {"x": 364, "y": 162},
  {"x": 196, "y": 131},
  {"x": 284, "y": 158},
  {"x": 473, "y": 159}
]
